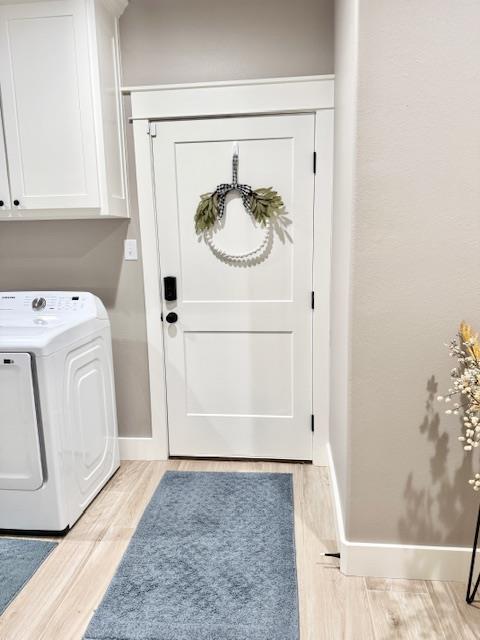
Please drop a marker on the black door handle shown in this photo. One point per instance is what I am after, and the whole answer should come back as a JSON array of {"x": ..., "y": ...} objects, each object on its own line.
[
  {"x": 171, "y": 317},
  {"x": 170, "y": 288}
]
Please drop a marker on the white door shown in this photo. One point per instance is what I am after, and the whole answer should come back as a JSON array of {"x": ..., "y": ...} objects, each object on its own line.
[
  {"x": 4, "y": 186},
  {"x": 45, "y": 82},
  {"x": 239, "y": 358}
]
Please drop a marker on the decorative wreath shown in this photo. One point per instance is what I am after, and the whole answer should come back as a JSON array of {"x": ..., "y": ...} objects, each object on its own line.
[{"x": 263, "y": 204}]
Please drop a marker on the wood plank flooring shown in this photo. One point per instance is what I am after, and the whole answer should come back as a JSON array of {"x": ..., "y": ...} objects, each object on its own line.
[{"x": 59, "y": 600}]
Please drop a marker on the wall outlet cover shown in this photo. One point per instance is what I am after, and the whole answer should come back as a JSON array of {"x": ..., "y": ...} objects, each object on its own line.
[{"x": 130, "y": 251}]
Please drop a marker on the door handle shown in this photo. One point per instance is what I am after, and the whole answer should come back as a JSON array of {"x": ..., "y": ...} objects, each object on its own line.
[
  {"x": 171, "y": 317},
  {"x": 170, "y": 288}
]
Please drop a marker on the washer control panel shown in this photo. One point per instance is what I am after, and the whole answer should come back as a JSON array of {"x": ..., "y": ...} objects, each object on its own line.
[{"x": 56, "y": 303}]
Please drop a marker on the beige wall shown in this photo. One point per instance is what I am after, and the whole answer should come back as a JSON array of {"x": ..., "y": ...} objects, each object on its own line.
[
  {"x": 88, "y": 255},
  {"x": 170, "y": 41},
  {"x": 344, "y": 172},
  {"x": 174, "y": 41},
  {"x": 414, "y": 191}
]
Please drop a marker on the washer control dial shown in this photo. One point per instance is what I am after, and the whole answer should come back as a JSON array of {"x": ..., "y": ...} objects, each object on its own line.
[{"x": 38, "y": 304}]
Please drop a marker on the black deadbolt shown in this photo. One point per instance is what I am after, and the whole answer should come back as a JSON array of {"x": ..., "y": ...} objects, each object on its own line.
[
  {"x": 170, "y": 288},
  {"x": 171, "y": 317}
]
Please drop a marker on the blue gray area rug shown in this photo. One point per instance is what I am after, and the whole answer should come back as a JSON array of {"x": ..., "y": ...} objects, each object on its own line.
[
  {"x": 19, "y": 559},
  {"x": 213, "y": 558}
]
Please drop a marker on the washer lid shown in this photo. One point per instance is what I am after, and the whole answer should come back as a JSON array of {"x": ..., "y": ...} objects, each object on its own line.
[{"x": 43, "y": 322}]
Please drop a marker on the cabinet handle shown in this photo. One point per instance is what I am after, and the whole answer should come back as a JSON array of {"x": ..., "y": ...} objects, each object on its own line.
[
  {"x": 1, "y": 203},
  {"x": 16, "y": 202}
]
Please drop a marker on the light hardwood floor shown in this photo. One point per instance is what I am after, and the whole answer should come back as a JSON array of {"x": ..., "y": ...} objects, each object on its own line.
[{"x": 59, "y": 600}]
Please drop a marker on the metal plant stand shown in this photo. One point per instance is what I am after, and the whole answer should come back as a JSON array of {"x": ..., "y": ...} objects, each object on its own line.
[{"x": 471, "y": 592}]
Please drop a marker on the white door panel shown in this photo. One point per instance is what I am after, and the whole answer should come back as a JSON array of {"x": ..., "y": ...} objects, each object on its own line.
[
  {"x": 47, "y": 107},
  {"x": 239, "y": 359},
  {"x": 224, "y": 392},
  {"x": 20, "y": 461},
  {"x": 273, "y": 277}
]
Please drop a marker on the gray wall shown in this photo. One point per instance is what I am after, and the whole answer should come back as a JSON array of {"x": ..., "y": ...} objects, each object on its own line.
[
  {"x": 170, "y": 41},
  {"x": 162, "y": 41},
  {"x": 88, "y": 255},
  {"x": 344, "y": 175},
  {"x": 414, "y": 197}
]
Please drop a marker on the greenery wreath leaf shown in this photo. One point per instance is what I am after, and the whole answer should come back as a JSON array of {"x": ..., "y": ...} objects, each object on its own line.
[
  {"x": 267, "y": 203},
  {"x": 207, "y": 212},
  {"x": 264, "y": 203}
]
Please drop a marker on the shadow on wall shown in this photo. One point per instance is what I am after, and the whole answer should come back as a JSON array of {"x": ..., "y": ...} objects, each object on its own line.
[
  {"x": 70, "y": 254},
  {"x": 449, "y": 498}
]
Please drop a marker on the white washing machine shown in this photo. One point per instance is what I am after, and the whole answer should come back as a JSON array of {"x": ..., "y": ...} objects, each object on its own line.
[{"x": 58, "y": 426}]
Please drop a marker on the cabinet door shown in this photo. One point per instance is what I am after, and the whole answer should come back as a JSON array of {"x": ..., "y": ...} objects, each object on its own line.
[
  {"x": 45, "y": 80},
  {"x": 4, "y": 187},
  {"x": 115, "y": 199}
]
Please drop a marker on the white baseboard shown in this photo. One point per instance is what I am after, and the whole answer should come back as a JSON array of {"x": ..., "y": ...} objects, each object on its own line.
[
  {"x": 146, "y": 449},
  {"x": 320, "y": 456},
  {"x": 415, "y": 562},
  {"x": 140, "y": 449}
]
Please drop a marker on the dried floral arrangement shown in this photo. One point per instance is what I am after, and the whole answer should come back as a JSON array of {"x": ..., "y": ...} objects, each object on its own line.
[{"x": 466, "y": 388}]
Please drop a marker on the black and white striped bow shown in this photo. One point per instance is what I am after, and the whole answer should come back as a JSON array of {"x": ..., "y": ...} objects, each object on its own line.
[{"x": 222, "y": 189}]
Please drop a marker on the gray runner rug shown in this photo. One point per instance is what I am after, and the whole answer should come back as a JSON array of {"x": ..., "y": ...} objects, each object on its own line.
[
  {"x": 213, "y": 558},
  {"x": 19, "y": 559}
]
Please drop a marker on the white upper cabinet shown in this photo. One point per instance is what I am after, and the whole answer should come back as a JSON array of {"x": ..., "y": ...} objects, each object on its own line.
[
  {"x": 47, "y": 105},
  {"x": 4, "y": 186},
  {"x": 59, "y": 81}
]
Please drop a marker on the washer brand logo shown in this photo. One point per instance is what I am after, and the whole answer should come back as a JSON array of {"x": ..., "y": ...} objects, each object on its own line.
[{"x": 8, "y": 297}]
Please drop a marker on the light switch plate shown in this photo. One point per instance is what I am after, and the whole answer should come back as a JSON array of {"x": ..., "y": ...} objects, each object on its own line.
[{"x": 130, "y": 251}]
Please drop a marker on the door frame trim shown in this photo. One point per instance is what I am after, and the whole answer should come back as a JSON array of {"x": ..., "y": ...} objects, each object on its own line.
[{"x": 312, "y": 94}]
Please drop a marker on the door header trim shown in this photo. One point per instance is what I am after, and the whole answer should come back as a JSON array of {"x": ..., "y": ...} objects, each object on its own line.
[
  {"x": 127, "y": 90},
  {"x": 224, "y": 99}
]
